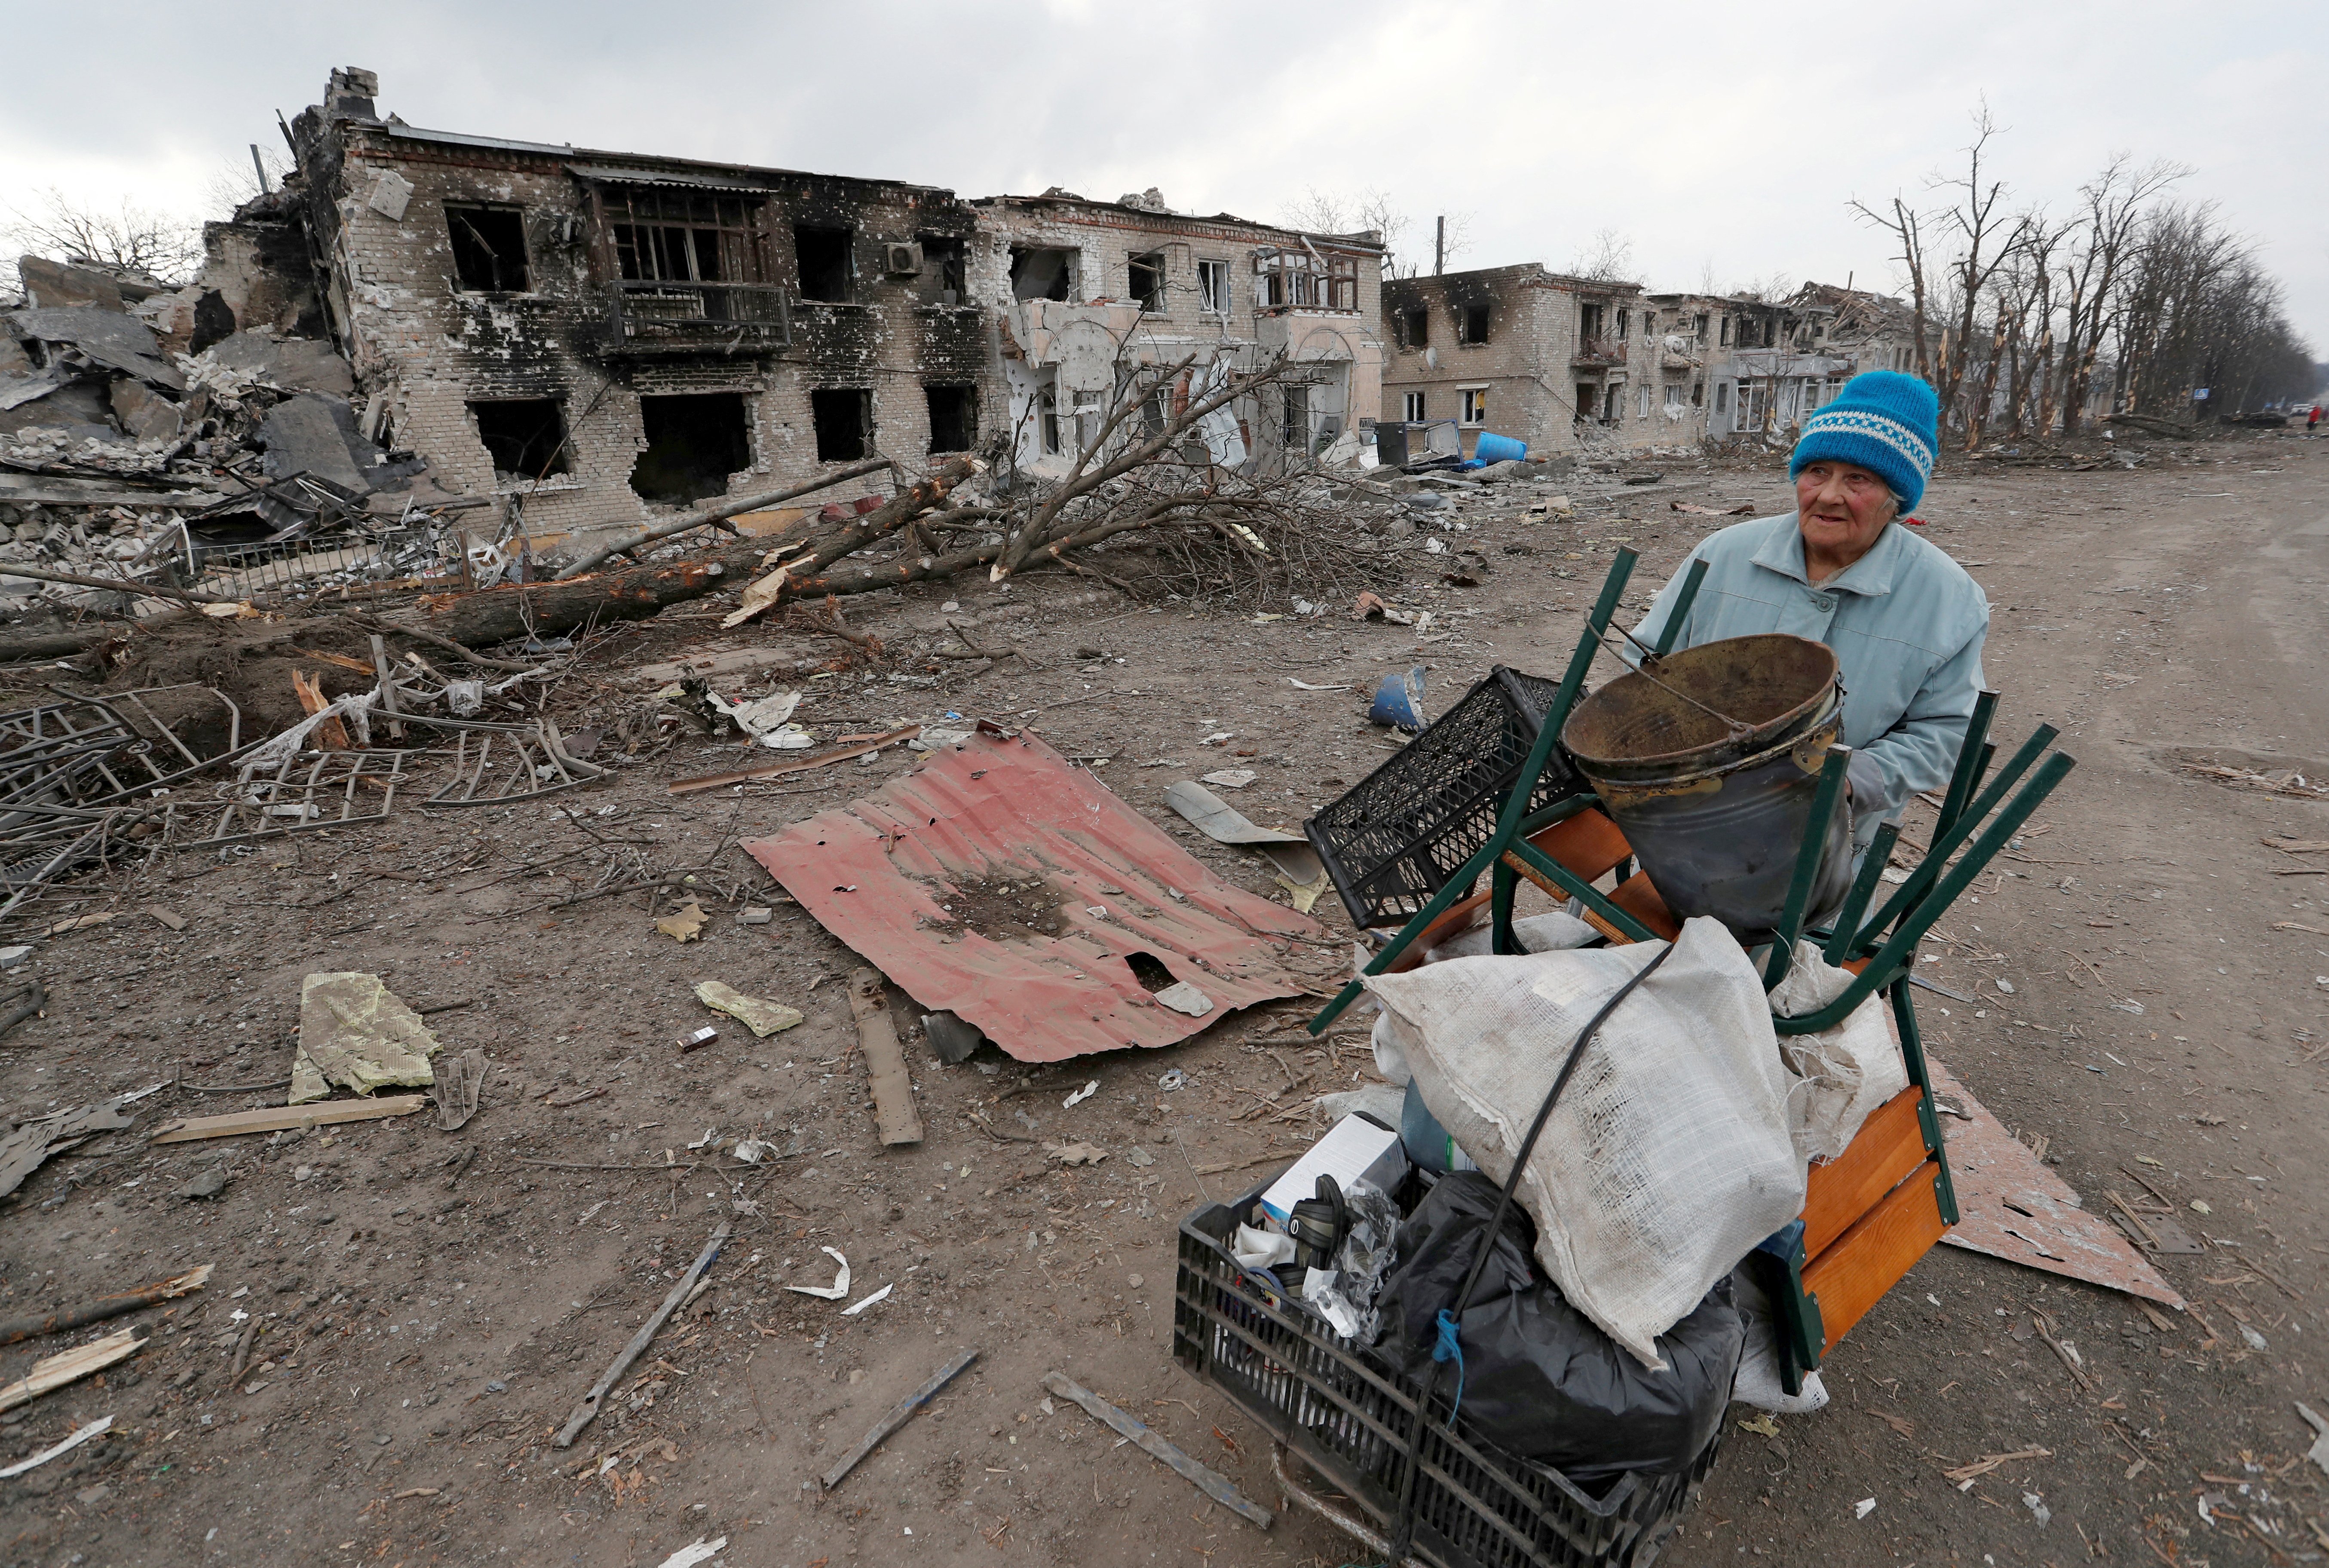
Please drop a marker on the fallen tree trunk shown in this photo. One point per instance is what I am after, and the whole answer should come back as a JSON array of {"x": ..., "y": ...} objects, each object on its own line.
[
  {"x": 710, "y": 515},
  {"x": 495, "y": 615}
]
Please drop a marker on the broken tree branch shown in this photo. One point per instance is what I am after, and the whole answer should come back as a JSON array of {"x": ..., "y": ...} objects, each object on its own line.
[
  {"x": 104, "y": 1306},
  {"x": 588, "y": 1409}
]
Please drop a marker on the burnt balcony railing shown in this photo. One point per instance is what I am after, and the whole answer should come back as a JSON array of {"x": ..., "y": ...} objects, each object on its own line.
[
  {"x": 1598, "y": 351},
  {"x": 687, "y": 318}
]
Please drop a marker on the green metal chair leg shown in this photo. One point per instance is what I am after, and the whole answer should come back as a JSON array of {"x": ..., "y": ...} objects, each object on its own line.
[{"x": 1824, "y": 800}]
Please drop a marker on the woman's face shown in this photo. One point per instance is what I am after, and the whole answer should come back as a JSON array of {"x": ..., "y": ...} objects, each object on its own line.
[{"x": 1841, "y": 508}]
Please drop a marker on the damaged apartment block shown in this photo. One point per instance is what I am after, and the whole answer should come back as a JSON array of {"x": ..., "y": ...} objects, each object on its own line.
[
  {"x": 1099, "y": 291},
  {"x": 588, "y": 337}
]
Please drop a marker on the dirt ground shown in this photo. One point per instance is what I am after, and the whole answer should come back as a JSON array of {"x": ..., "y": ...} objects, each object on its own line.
[{"x": 432, "y": 1304}]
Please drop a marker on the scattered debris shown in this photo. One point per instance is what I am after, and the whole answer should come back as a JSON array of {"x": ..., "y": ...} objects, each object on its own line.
[
  {"x": 354, "y": 1032},
  {"x": 64, "y": 1318},
  {"x": 1212, "y": 1483},
  {"x": 890, "y": 875},
  {"x": 700, "y": 1550},
  {"x": 1964, "y": 1475},
  {"x": 1398, "y": 701},
  {"x": 865, "y": 748},
  {"x": 834, "y": 1292},
  {"x": 1300, "y": 871},
  {"x": 686, "y": 924},
  {"x": 81, "y": 1434},
  {"x": 280, "y": 1118},
  {"x": 1077, "y": 1153},
  {"x": 762, "y": 1016},
  {"x": 24, "y": 1151},
  {"x": 2010, "y": 1205},
  {"x": 588, "y": 1409},
  {"x": 459, "y": 1079},
  {"x": 892, "y": 1085},
  {"x": 855, "y": 1308},
  {"x": 55, "y": 1372},
  {"x": 1080, "y": 1095},
  {"x": 900, "y": 1413},
  {"x": 2319, "y": 1453}
]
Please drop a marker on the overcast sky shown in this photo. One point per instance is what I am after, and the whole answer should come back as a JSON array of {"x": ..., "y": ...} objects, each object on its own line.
[{"x": 1723, "y": 140}]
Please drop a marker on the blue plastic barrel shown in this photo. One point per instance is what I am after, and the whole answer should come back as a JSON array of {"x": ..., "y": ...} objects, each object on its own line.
[{"x": 1492, "y": 448}]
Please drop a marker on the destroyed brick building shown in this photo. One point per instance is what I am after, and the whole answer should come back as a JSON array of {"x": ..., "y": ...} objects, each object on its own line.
[
  {"x": 1096, "y": 288},
  {"x": 589, "y": 336}
]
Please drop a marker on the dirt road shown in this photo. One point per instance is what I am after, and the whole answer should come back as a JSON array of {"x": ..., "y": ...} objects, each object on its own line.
[{"x": 425, "y": 1323}]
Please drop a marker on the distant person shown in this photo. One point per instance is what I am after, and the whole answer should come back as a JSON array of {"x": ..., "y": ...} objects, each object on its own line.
[{"x": 2311, "y": 419}]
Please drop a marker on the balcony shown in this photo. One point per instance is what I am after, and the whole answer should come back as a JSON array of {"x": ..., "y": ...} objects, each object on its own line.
[
  {"x": 1598, "y": 351},
  {"x": 668, "y": 318}
]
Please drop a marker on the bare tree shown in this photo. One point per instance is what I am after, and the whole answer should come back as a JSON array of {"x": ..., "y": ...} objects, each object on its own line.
[
  {"x": 2113, "y": 203},
  {"x": 130, "y": 238},
  {"x": 236, "y": 180},
  {"x": 1607, "y": 257},
  {"x": 1333, "y": 212}
]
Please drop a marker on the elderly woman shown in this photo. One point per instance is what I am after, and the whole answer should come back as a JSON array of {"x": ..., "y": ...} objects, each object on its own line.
[{"x": 1906, "y": 622}]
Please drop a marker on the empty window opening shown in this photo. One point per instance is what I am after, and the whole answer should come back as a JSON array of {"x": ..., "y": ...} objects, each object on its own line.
[
  {"x": 826, "y": 263},
  {"x": 1698, "y": 394},
  {"x": 1722, "y": 397},
  {"x": 1294, "y": 430},
  {"x": 488, "y": 248},
  {"x": 1674, "y": 394},
  {"x": 1041, "y": 273},
  {"x": 1475, "y": 405},
  {"x": 1586, "y": 398},
  {"x": 945, "y": 263},
  {"x": 1415, "y": 328},
  {"x": 1725, "y": 332},
  {"x": 1048, "y": 421},
  {"x": 1610, "y": 404},
  {"x": 1414, "y": 408},
  {"x": 694, "y": 442},
  {"x": 1214, "y": 286},
  {"x": 1624, "y": 324},
  {"x": 1476, "y": 324},
  {"x": 525, "y": 437},
  {"x": 954, "y": 418},
  {"x": 1145, "y": 281},
  {"x": 1150, "y": 971},
  {"x": 844, "y": 423},
  {"x": 1589, "y": 320}
]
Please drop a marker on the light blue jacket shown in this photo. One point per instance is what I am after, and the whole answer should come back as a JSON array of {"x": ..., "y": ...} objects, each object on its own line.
[{"x": 1906, "y": 625}]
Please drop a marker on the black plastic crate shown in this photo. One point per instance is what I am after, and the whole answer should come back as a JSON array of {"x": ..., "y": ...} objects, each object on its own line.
[
  {"x": 1352, "y": 1421},
  {"x": 1393, "y": 842}
]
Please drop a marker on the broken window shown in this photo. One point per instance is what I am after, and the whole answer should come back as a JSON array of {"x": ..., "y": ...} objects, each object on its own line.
[
  {"x": 1609, "y": 403},
  {"x": 1144, "y": 281},
  {"x": 1624, "y": 324},
  {"x": 694, "y": 441},
  {"x": 1039, "y": 272},
  {"x": 1674, "y": 394},
  {"x": 1295, "y": 430},
  {"x": 827, "y": 265},
  {"x": 1723, "y": 391},
  {"x": 1415, "y": 328},
  {"x": 1726, "y": 332},
  {"x": 525, "y": 437},
  {"x": 1415, "y": 408},
  {"x": 1048, "y": 421},
  {"x": 1698, "y": 326},
  {"x": 1304, "y": 279},
  {"x": 954, "y": 418},
  {"x": 1698, "y": 394},
  {"x": 1341, "y": 283},
  {"x": 1214, "y": 286},
  {"x": 1585, "y": 399},
  {"x": 488, "y": 248},
  {"x": 945, "y": 267},
  {"x": 669, "y": 244},
  {"x": 844, "y": 416},
  {"x": 1474, "y": 324},
  {"x": 1642, "y": 403},
  {"x": 1588, "y": 321},
  {"x": 1475, "y": 405}
]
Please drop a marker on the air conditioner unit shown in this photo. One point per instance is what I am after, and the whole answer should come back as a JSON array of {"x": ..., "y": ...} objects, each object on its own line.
[{"x": 901, "y": 260}]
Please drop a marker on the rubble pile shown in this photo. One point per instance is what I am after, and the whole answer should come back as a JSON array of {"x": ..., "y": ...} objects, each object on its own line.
[{"x": 142, "y": 434}]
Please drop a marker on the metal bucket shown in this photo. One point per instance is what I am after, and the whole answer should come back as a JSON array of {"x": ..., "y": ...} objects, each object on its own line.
[{"x": 1708, "y": 764}]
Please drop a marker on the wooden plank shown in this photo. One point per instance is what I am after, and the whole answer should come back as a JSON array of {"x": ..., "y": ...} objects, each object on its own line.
[
  {"x": 70, "y": 1366},
  {"x": 1212, "y": 1483},
  {"x": 588, "y": 1409},
  {"x": 1870, "y": 1258},
  {"x": 899, "y": 1415},
  {"x": 885, "y": 1061},
  {"x": 1637, "y": 898},
  {"x": 1889, "y": 1146},
  {"x": 276, "y": 1118}
]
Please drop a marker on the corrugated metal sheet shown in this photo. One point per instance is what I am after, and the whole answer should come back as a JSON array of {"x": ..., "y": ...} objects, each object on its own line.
[
  {"x": 879, "y": 874},
  {"x": 2011, "y": 1206}
]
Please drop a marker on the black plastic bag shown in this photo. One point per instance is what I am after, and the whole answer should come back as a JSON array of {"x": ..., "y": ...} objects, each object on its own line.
[{"x": 1539, "y": 1380}]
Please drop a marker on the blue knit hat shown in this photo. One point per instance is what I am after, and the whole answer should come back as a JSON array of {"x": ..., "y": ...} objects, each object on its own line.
[{"x": 1883, "y": 421}]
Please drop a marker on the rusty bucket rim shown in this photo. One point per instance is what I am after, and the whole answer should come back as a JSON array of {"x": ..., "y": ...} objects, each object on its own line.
[
  {"x": 1667, "y": 782},
  {"x": 1781, "y": 728}
]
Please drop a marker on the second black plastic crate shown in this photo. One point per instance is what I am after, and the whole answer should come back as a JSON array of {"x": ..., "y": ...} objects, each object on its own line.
[
  {"x": 1352, "y": 1421},
  {"x": 1393, "y": 842}
]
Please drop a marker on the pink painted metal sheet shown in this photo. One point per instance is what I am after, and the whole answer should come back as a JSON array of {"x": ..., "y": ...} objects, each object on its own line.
[
  {"x": 998, "y": 880},
  {"x": 2011, "y": 1206}
]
